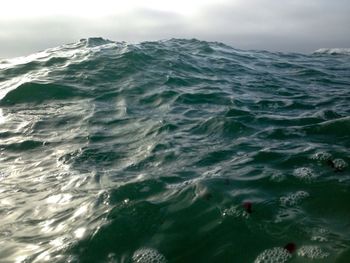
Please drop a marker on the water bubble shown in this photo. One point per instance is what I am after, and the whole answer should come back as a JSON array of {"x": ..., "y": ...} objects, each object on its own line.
[
  {"x": 312, "y": 252},
  {"x": 294, "y": 198},
  {"x": 273, "y": 255},
  {"x": 305, "y": 173},
  {"x": 148, "y": 255}
]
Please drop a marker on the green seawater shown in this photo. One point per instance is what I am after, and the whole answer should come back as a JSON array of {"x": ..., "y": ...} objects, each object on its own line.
[{"x": 174, "y": 151}]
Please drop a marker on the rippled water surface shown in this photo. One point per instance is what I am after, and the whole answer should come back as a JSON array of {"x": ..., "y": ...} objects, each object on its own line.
[{"x": 174, "y": 151}]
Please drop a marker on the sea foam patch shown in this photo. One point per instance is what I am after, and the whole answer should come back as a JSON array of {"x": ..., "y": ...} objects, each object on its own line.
[
  {"x": 312, "y": 252},
  {"x": 305, "y": 173},
  {"x": 273, "y": 255},
  {"x": 294, "y": 198},
  {"x": 340, "y": 164},
  {"x": 322, "y": 156},
  {"x": 236, "y": 211},
  {"x": 148, "y": 255}
]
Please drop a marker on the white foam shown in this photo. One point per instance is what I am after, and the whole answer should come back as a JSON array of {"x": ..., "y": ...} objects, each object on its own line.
[
  {"x": 236, "y": 211},
  {"x": 333, "y": 51},
  {"x": 273, "y": 255},
  {"x": 312, "y": 252},
  {"x": 339, "y": 164},
  {"x": 319, "y": 238},
  {"x": 294, "y": 198},
  {"x": 148, "y": 255},
  {"x": 322, "y": 156},
  {"x": 320, "y": 235},
  {"x": 277, "y": 177},
  {"x": 305, "y": 173}
]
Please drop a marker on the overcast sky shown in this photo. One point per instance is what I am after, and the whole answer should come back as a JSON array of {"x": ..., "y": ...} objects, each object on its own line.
[{"x": 27, "y": 26}]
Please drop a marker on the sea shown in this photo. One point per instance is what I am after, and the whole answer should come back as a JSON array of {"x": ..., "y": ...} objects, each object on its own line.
[{"x": 176, "y": 150}]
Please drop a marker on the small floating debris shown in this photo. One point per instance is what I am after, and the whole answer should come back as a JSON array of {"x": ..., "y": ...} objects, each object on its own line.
[
  {"x": 248, "y": 207},
  {"x": 291, "y": 247}
]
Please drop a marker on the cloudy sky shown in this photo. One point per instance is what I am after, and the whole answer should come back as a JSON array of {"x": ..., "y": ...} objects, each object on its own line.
[{"x": 289, "y": 25}]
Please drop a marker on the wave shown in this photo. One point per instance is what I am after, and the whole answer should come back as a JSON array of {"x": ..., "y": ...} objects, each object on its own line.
[
  {"x": 333, "y": 51},
  {"x": 182, "y": 149}
]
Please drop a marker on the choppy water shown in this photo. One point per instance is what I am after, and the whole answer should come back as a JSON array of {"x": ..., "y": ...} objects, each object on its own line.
[{"x": 174, "y": 151}]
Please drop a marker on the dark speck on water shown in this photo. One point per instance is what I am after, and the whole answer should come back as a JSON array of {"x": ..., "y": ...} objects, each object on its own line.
[
  {"x": 248, "y": 206},
  {"x": 291, "y": 247}
]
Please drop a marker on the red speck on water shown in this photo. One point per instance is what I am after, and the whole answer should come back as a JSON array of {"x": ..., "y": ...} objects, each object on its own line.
[
  {"x": 248, "y": 207},
  {"x": 291, "y": 247}
]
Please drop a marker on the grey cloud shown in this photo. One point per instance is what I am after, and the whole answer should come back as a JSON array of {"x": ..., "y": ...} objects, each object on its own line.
[
  {"x": 293, "y": 25},
  {"x": 26, "y": 36},
  {"x": 279, "y": 25}
]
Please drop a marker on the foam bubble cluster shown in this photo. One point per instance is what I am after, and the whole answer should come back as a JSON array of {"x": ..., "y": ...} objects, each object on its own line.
[
  {"x": 319, "y": 238},
  {"x": 277, "y": 177},
  {"x": 235, "y": 211},
  {"x": 320, "y": 235},
  {"x": 305, "y": 173},
  {"x": 339, "y": 164},
  {"x": 312, "y": 252},
  {"x": 322, "y": 156},
  {"x": 148, "y": 255},
  {"x": 273, "y": 255},
  {"x": 294, "y": 198}
]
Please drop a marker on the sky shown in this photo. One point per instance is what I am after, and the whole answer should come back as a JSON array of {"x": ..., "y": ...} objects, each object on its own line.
[{"x": 28, "y": 26}]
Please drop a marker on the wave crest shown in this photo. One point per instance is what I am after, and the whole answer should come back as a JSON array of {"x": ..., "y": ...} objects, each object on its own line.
[
  {"x": 333, "y": 51},
  {"x": 32, "y": 92}
]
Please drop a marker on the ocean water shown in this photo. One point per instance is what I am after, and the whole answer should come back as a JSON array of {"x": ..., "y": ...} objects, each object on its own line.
[{"x": 174, "y": 151}]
